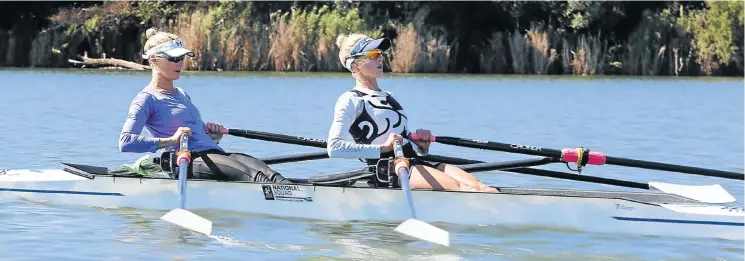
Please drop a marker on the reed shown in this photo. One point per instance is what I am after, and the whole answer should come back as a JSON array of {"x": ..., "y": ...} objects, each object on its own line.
[
  {"x": 519, "y": 53},
  {"x": 5, "y": 42},
  {"x": 298, "y": 40},
  {"x": 492, "y": 57},
  {"x": 587, "y": 55},
  {"x": 244, "y": 36},
  {"x": 419, "y": 49},
  {"x": 406, "y": 50},
  {"x": 541, "y": 53},
  {"x": 436, "y": 51},
  {"x": 190, "y": 28}
]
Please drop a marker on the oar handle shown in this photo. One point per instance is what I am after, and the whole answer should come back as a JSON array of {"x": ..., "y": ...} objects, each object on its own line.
[
  {"x": 400, "y": 162},
  {"x": 183, "y": 153}
]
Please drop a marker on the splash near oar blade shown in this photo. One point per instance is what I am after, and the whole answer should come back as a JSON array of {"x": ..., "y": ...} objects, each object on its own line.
[
  {"x": 188, "y": 220},
  {"x": 424, "y": 231}
]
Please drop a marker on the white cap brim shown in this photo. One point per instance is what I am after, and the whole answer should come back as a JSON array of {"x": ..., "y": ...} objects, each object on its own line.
[
  {"x": 176, "y": 52},
  {"x": 382, "y": 44},
  {"x": 173, "y": 48}
]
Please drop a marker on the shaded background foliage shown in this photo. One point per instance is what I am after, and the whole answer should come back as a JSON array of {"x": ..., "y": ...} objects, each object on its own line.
[{"x": 546, "y": 37}]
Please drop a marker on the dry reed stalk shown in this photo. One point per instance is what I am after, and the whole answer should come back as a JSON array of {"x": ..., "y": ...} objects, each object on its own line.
[
  {"x": 436, "y": 53},
  {"x": 519, "y": 52},
  {"x": 567, "y": 56},
  {"x": 10, "y": 48},
  {"x": 406, "y": 50},
  {"x": 281, "y": 45},
  {"x": 542, "y": 55},
  {"x": 189, "y": 28},
  {"x": 493, "y": 56}
]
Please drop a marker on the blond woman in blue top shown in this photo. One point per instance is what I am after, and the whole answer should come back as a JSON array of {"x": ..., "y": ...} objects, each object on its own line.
[{"x": 167, "y": 112}]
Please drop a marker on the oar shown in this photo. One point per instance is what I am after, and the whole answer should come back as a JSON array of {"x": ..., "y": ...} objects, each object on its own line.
[
  {"x": 580, "y": 156},
  {"x": 412, "y": 226},
  {"x": 180, "y": 216},
  {"x": 705, "y": 193},
  {"x": 711, "y": 193},
  {"x": 266, "y": 136},
  {"x": 295, "y": 157},
  {"x": 319, "y": 143}
]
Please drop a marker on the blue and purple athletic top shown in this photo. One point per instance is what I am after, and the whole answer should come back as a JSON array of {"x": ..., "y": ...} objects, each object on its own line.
[{"x": 162, "y": 114}]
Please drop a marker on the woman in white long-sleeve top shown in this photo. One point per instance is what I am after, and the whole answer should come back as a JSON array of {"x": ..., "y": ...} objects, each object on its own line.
[{"x": 374, "y": 119}]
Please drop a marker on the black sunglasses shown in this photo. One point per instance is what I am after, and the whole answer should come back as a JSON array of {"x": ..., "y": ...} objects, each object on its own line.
[{"x": 172, "y": 59}]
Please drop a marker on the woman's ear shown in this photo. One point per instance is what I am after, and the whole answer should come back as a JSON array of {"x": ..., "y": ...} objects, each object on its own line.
[{"x": 355, "y": 65}]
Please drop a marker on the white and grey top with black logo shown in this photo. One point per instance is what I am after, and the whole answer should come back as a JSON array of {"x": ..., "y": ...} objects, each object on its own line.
[{"x": 369, "y": 117}]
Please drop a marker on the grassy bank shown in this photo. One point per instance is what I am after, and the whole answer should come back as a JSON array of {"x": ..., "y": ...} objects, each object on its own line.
[{"x": 242, "y": 36}]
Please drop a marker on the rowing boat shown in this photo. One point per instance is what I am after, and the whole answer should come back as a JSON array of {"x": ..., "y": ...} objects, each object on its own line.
[
  {"x": 668, "y": 210},
  {"x": 642, "y": 213}
]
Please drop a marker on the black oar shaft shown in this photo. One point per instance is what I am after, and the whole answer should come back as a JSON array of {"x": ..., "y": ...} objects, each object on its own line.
[
  {"x": 506, "y": 165},
  {"x": 497, "y": 146},
  {"x": 545, "y": 152},
  {"x": 477, "y": 165},
  {"x": 674, "y": 168},
  {"x": 519, "y": 166},
  {"x": 575, "y": 177},
  {"x": 448, "y": 160},
  {"x": 310, "y": 142},
  {"x": 278, "y": 138},
  {"x": 295, "y": 157}
]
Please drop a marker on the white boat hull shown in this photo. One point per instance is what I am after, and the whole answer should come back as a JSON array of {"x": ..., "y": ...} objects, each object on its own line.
[{"x": 587, "y": 211}]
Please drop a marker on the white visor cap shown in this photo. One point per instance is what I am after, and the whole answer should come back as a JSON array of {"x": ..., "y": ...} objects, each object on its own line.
[{"x": 173, "y": 48}]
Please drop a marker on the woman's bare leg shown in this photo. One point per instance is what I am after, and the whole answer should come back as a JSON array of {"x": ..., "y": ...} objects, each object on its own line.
[
  {"x": 464, "y": 177},
  {"x": 424, "y": 177}
]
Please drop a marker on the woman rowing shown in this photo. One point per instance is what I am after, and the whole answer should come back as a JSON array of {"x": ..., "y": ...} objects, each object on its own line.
[
  {"x": 168, "y": 112},
  {"x": 375, "y": 120}
]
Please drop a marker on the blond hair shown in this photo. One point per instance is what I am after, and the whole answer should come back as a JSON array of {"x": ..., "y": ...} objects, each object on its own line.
[
  {"x": 345, "y": 43},
  {"x": 156, "y": 37}
]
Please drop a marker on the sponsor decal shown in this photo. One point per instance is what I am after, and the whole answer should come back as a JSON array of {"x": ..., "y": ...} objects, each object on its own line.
[
  {"x": 311, "y": 139},
  {"x": 624, "y": 207},
  {"x": 734, "y": 209},
  {"x": 287, "y": 193},
  {"x": 479, "y": 141},
  {"x": 525, "y": 147}
]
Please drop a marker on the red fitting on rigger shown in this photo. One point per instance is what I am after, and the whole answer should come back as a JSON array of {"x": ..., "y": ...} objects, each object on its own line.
[{"x": 572, "y": 155}]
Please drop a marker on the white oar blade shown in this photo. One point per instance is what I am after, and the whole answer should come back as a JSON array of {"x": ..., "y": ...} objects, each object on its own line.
[
  {"x": 188, "y": 220},
  {"x": 424, "y": 231},
  {"x": 709, "y": 193}
]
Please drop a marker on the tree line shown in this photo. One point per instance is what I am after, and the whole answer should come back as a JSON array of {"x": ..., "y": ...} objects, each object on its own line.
[{"x": 505, "y": 37}]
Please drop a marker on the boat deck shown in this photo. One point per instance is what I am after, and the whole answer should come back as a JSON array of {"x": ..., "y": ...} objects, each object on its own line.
[{"x": 640, "y": 197}]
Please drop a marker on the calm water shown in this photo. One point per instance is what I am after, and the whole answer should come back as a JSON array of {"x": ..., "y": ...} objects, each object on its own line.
[{"x": 76, "y": 116}]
